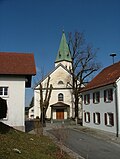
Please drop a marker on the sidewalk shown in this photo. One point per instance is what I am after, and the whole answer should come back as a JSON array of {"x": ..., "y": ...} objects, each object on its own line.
[{"x": 109, "y": 137}]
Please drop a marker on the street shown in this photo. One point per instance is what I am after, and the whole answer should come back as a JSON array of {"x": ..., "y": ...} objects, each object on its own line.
[{"x": 87, "y": 146}]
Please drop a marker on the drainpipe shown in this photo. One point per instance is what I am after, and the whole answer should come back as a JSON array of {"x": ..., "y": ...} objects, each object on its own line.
[{"x": 116, "y": 106}]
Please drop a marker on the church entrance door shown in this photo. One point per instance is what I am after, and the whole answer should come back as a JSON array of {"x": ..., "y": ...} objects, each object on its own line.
[{"x": 59, "y": 113}]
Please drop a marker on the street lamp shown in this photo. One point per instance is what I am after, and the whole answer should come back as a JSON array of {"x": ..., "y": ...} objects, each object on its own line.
[{"x": 113, "y": 55}]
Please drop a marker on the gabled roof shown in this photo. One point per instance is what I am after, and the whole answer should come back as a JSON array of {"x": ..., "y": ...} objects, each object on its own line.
[
  {"x": 59, "y": 104},
  {"x": 63, "y": 52},
  {"x": 59, "y": 65},
  {"x": 107, "y": 76},
  {"x": 12, "y": 63}
]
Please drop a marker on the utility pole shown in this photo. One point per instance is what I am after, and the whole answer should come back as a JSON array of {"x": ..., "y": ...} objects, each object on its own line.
[{"x": 113, "y": 55}]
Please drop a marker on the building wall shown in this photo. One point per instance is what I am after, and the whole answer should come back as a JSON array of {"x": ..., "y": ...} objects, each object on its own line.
[
  {"x": 15, "y": 101},
  {"x": 67, "y": 64},
  {"x": 36, "y": 103},
  {"x": 118, "y": 102},
  {"x": 31, "y": 113},
  {"x": 102, "y": 108},
  {"x": 59, "y": 74}
]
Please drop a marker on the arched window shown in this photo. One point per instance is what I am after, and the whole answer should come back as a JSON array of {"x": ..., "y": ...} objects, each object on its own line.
[
  {"x": 60, "y": 97},
  {"x": 60, "y": 82}
]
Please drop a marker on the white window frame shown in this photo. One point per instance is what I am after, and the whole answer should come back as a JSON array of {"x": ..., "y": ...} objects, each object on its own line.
[
  {"x": 60, "y": 82},
  {"x": 109, "y": 119},
  {"x": 108, "y": 95},
  {"x": 96, "y": 117},
  {"x": 2, "y": 93},
  {"x": 87, "y": 117},
  {"x": 96, "y": 97},
  {"x": 60, "y": 97},
  {"x": 87, "y": 99}
]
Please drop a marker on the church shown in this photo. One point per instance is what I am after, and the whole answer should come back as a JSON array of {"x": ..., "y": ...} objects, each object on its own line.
[{"x": 61, "y": 103}]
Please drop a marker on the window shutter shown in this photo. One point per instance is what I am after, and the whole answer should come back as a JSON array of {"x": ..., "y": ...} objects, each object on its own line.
[
  {"x": 99, "y": 118},
  {"x": 84, "y": 99},
  {"x": 89, "y": 117},
  {"x": 94, "y": 117},
  {"x": 104, "y": 95},
  {"x": 111, "y": 94},
  {"x": 98, "y": 96},
  {"x": 105, "y": 118},
  {"x": 88, "y": 98},
  {"x": 85, "y": 117},
  {"x": 112, "y": 119},
  {"x": 93, "y": 97}
]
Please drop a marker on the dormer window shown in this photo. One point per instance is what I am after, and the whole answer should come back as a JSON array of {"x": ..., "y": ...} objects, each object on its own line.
[
  {"x": 60, "y": 82},
  {"x": 59, "y": 54}
]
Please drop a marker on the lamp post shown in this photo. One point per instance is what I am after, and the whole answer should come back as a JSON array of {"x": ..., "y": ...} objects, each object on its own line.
[{"x": 113, "y": 55}]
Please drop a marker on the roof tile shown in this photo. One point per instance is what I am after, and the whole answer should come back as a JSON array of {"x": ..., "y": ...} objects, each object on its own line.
[
  {"x": 107, "y": 76},
  {"x": 12, "y": 63}
]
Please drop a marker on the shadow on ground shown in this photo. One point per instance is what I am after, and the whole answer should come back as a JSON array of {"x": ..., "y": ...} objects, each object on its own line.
[{"x": 4, "y": 128}]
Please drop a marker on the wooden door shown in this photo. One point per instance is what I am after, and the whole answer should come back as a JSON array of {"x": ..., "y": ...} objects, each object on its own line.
[{"x": 59, "y": 113}]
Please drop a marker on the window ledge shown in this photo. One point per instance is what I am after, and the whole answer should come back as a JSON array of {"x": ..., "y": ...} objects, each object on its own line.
[
  {"x": 109, "y": 101},
  {"x": 3, "y": 96},
  {"x": 109, "y": 125},
  {"x": 86, "y": 103},
  {"x": 87, "y": 121},
  {"x": 96, "y": 102},
  {"x": 4, "y": 119},
  {"x": 97, "y": 123}
]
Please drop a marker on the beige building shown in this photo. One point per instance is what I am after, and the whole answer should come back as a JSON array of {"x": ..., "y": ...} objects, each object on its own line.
[{"x": 61, "y": 104}]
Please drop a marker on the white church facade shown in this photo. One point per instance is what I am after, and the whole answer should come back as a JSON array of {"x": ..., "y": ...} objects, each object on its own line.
[{"x": 61, "y": 104}]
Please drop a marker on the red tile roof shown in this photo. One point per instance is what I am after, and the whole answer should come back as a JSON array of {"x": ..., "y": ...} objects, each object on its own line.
[
  {"x": 107, "y": 76},
  {"x": 17, "y": 63}
]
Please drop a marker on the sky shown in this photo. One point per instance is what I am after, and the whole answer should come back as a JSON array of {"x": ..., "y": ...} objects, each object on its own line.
[{"x": 35, "y": 26}]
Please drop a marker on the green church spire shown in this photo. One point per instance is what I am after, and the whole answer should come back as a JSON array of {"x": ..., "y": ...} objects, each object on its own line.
[{"x": 63, "y": 52}]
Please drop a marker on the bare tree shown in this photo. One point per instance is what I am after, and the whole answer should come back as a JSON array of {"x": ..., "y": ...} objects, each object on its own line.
[
  {"x": 83, "y": 63},
  {"x": 44, "y": 101}
]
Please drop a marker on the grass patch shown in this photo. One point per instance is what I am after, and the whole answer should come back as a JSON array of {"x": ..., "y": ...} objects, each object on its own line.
[{"x": 20, "y": 145}]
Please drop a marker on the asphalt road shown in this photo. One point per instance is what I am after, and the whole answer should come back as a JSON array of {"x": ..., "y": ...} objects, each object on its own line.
[{"x": 87, "y": 146}]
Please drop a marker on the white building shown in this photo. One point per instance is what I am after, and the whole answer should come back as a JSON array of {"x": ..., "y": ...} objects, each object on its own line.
[
  {"x": 101, "y": 103},
  {"x": 16, "y": 70},
  {"x": 31, "y": 113},
  {"x": 61, "y": 104}
]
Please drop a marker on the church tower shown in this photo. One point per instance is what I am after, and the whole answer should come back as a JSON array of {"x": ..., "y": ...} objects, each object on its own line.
[{"x": 63, "y": 55}]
